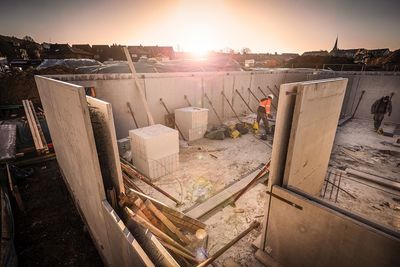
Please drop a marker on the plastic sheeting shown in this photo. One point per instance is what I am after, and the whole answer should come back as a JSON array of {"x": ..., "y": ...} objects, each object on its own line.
[
  {"x": 72, "y": 63},
  {"x": 8, "y": 138},
  {"x": 89, "y": 66}
]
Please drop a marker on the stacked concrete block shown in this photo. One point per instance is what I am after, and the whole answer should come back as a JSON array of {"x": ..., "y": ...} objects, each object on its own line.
[
  {"x": 155, "y": 150},
  {"x": 192, "y": 121}
]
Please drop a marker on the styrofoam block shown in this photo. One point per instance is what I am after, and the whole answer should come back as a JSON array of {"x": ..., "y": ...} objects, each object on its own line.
[
  {"x": 154, "y": 142},
  {"x": 157, "y": 168},
  {"x": 192, "y": 121}
]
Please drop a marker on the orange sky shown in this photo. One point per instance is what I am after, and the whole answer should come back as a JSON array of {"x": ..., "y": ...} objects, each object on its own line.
[{"x": 262, "y": 26}]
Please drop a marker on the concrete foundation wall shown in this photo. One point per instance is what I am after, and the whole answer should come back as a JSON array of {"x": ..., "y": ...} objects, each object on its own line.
[
  {"x": 302, "y": 232},
  {"x": 375, "y": 85},
  {"x": 118, "y": 89}
]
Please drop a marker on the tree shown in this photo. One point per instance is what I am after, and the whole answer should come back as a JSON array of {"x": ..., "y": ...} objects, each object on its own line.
[
  {"x": 246, "y": 50},
  {"x": 28, "y": 38}
]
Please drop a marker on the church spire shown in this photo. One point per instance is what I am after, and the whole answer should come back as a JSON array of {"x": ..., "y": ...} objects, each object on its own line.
[{"x": 335, "y": 48}]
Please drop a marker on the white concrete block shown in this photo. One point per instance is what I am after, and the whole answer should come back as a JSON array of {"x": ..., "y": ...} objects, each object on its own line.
[
  {"x": 192, "y": 121},
  {"x": 155, "y": 150}
]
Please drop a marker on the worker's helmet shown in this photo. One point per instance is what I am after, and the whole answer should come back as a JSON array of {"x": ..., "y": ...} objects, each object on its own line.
[{"x": 271, "y": 96}]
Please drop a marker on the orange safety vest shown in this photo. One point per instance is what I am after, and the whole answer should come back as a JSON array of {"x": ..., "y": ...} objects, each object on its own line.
[{"x": 266, "y": 104}]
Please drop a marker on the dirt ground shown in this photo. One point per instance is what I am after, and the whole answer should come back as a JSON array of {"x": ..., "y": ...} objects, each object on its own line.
[
  {"x": 51, "y": 232},
  {"x": 201, "y": 175},
  {"x": 206, "y": 168},
  {"x": 358, "y": 147}
]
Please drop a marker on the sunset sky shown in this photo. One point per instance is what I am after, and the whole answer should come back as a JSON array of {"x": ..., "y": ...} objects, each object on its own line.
[{"x": 263, "y": 26}]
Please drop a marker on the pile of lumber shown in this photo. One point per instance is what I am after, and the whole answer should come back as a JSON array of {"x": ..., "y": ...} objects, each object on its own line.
[
  {"x": 176, "y": 231},
  {"x": 34, "y": 125},
  {"x": 184, "y": 237}
]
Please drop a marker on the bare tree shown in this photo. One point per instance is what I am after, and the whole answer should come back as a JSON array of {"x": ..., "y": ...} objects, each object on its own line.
[{"x": 246, "y": 50}]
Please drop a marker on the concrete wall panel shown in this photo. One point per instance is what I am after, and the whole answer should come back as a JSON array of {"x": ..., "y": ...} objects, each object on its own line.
[
  {"x": 67, "y": 116},
  {"x": 303, "y": 233},
  {"x": 315, "y": 118}
]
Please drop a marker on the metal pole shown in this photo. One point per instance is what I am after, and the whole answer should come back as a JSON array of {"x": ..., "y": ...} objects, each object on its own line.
[
  {"x": 259, "y": 88},
  {"x": 209, "y": 102},
  {"x": 133, "y": 116},
  {"x": 222, "y": 93},
  {"x": 256, "y": 98},
  {"x": 247, "y": 105},
  {"x": 176, "y": 125},
  {"x": 187, "y": 100}
]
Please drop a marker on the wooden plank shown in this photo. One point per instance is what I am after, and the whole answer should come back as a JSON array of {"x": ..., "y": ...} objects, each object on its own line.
[
  {"x": 160, "y": 234},
  {"x": 38, "y": 126},
  {"x": 375, "y": 179},
  {"x": 175, "y": 216},
  {"x": 314, "y": 123},
  {"x": 110, "y": 141},
  {"x": 139, "y": 86},
  {"x": 216, "y": 200},
  {"x": 167, "y": 222},
  {"x": 125, "y": 249},
  {"x": 32, "y": 126}
]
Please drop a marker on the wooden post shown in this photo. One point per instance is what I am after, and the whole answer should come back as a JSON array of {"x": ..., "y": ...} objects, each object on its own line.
[{"x": 139, "y": 86}]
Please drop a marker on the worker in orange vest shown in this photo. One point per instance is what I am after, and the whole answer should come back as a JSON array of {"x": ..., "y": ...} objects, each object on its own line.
[{"x": 264, "y": 111}]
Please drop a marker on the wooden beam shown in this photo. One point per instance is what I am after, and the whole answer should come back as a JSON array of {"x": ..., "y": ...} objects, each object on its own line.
[
  {"x": 138, "y": 86},
  {"x": 157, "y": 232},
  {"x": 167, "y": 222}
]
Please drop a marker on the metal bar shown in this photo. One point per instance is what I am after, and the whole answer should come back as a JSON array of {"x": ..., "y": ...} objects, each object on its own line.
[
  {"x": 259, "y": 88},
  {"x": 131, "y": 172},
  {"x": 334, "y": 182},
  {"x": 261, "y": 173},
  {"x": 344, "y": 191},
  {"x": 338, "y": 186},
  {"x": 230, "y": 105},
  {"x": 133, "y": 115},
  {"x": 256, "y": 98},
  {"x": 187, "y": 100},
  {"x": 247, "y": 105},
  {"x": 216, "y": 114},
  {"x": 358, "y": 103},
  {"x": 326, "y": 184},
  {"x": 210, "y": 260},
  {"x": 277, "y": 90},
  {"x": 176, "y": 125}
]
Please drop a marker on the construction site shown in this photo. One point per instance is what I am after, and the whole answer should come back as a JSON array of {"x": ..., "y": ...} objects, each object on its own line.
[{"x": 178, "y": 169}]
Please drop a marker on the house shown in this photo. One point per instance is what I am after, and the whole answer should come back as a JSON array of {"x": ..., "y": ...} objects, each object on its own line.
[
  {"x": 84, "y": 47},
  {"x": 101, "y": 52},
  {"x": 379, "y": 52},
  {"x": 322, "y": 53},
  {"x": 161, "y": 52},
  {"x": 15, "y": 48},
  {"x": 63, "y": 51}
]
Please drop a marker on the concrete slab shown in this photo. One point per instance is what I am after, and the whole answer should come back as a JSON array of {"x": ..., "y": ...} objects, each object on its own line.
[
  {"x": 314, "y": 123},
  {"x": 109, "y": 141}
]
